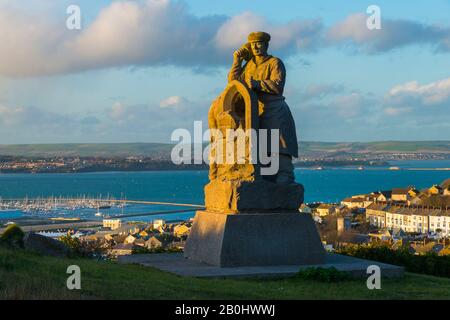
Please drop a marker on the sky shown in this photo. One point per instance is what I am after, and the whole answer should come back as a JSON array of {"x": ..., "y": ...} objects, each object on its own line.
[{"x": 137, "y": 70}]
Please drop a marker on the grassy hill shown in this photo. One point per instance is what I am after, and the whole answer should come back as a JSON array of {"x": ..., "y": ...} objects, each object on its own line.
[
  {"x": 152, "y": 149},
  {"x": 377, "y": 147},
  {"x": 86, "y": 149},
  {"x": 25, "y": 275}
]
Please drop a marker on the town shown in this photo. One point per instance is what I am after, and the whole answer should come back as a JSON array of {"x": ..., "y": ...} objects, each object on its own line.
[
  {"x": 416, "y": 219},
  {"x": 76, "y": 158},
  {"x": 401, "y": 217},
  {"x": 10, "y": 164},
  {"x": 87, "y": 164},
  {"x": 141, "y": 163}
]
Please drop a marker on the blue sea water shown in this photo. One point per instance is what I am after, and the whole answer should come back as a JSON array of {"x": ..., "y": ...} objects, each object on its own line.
[{"x": 330, "y": 185}]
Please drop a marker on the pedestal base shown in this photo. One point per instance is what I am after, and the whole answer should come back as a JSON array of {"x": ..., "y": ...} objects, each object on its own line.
[
  {"x": 175, "y": 263},
  {"x": 254, "y": 239},
  {"x": 239, "y": 196}
]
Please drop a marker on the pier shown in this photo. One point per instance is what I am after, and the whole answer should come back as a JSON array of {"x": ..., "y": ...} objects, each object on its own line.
[{"x": 54, "y": 203}]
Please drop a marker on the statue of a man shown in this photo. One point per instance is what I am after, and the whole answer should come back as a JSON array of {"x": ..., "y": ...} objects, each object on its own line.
[{"x": 266, "y": 76}]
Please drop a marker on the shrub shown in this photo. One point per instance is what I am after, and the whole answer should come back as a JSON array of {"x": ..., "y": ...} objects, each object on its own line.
[
  {"x": 143, "y": 250},
  {"x": 88, "y": 249},
  {"x": 430, "y": 263},
  {"x": 323, "y": 274},
  {"x": 13, "y": 236}
]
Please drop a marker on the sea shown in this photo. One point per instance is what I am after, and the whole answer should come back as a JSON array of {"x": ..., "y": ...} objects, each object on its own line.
[{"x": 326, "y": 185}]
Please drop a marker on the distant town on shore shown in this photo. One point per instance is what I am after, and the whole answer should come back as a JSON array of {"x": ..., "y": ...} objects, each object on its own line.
[{"x": 72, "y": 158}]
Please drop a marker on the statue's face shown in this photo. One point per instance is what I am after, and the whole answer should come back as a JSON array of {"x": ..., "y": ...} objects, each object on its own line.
[{"x": 259, "y": 48}]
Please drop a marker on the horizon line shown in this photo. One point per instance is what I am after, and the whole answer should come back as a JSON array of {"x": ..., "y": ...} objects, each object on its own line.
[{"x": 168, "y": 143}]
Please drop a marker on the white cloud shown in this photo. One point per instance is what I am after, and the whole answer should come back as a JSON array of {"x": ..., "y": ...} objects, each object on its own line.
[
  {"x": 125, "y": 33},
  {"x": 407, "y": 111},
  {"x": 430, "y": 94},
  {"x": 30, "y": 116},
  {"x": 314, "y": 92},
  {"x": 164, "y": 32},
  {"x": 296, "y": 34},
  {"x": 31, "y": 124},
  {"x": 393, "y": 34},
  {"x": 10, "y": 116},
  {"x": 349, "y": 106},
  {"x": 117, "y": 111},
  {"x": 29, "y": 45},
  {"x": 422, "y": 103},
  {"x": 332, "y": 111},
  {"x": 172, "y": 101},
  {"x": 134, "y": 33},
  {"x": 390, "y": 111},
  {"x": 155, "y": 121}
]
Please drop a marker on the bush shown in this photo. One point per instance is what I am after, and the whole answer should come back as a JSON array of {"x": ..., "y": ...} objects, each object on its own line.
[
  {"x": 323, "y": 274},
  {"x": 13, "y": 236},
  {"x": 88, "y": 249},
  {"x": 430, "y": 264},
  {"x": 143, "y": 250}
]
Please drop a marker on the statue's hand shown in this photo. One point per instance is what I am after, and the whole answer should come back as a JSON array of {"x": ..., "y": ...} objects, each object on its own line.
[
  {"x": 238, "y": 55},
  {"x": 253, "y": 84}
]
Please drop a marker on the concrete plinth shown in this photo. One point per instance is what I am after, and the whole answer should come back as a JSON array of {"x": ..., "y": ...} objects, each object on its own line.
[
  {"x": 254, "y": 239},
  {"x": 258, "y": 195},
  {"x": 175, "y": 263}
]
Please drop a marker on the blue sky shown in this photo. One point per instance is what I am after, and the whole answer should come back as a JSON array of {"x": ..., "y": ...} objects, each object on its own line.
[{"x": 137, "y": 70}]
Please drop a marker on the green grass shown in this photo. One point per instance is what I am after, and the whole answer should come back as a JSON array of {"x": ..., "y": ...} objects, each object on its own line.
[
  {"x": 148, "y": 149},
  {"x": 409, "y": 146},
  {"x": 25, "y": 275},
  {"x": 86, "y": 149},
  {"x": 377, "y": 146}
]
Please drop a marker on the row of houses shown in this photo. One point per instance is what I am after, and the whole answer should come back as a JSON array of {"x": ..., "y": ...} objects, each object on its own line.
[
  {"x": 118, "y": 224},
  {"x": 410, "y": 196},
  {"x": 122, "y": 238},
  {"x": 132, "y": 243},
  {"x": 413, "y": 219},
  {"x": 365, "y": 200}
]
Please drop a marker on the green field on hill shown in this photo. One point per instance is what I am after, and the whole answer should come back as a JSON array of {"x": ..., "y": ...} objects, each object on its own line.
[
  {"x": 86, "y": 149},
  {"x": 164, "y": 149},
  {"x": 26, "y": 275}
]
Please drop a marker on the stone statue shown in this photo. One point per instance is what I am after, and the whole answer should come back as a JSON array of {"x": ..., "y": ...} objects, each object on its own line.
[
  {"x": 252, "y": 218},
  {"x": 266, "y": 76},
  {"x": 254, "y": 100}
]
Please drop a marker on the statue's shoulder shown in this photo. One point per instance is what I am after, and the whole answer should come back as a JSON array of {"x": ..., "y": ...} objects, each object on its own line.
[{"x": 276, "y": 61}]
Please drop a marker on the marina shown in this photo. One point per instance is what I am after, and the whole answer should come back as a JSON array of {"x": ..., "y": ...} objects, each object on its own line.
[
  {"x": 51, "y": 204},
  {"x": 97, "y": 196}
]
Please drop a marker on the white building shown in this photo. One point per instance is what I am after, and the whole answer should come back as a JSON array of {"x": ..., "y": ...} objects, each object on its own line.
[
  {"x": 159, "y": 223},
  {"x": 113, "y": 224},
  {"x": 305, "y": 209},
  {"x": 440, "y": 222},
  {"x": 411, "y": 219},
  {"x": 376, "y": 214},
  {"x": 129, "y": 240}
]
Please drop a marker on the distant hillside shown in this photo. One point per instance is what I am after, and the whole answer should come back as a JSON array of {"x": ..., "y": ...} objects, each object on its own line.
[
  {"x": 86, "y": 149},
  {"x": 163, "y": 149},
  {"x": 377, "y": 147}
]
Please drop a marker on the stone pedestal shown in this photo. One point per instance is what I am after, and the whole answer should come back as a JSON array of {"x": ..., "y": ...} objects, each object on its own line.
[
  {"x": 233, "y": 196},
  {"x": 254, "y": 239}
]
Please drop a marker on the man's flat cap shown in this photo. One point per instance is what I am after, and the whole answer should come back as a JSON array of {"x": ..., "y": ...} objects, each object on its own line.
[{"x": 258, "y": 36}]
